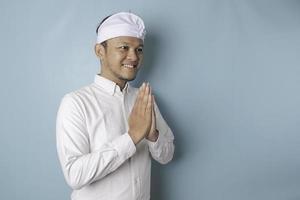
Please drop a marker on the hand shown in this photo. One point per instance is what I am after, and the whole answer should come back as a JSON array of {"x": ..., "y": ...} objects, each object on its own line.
[
  {"x": 153, "y": 133},
  {"x": 140, "y": 118}
]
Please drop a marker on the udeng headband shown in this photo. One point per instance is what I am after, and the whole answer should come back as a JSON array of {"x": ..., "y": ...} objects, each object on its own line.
[{"x": 121, "y": 24}]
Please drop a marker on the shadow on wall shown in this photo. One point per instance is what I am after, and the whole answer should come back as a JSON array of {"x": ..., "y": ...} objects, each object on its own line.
[
  {"x": 151, "y": 52},
  {"x": 158, "y": 178}
]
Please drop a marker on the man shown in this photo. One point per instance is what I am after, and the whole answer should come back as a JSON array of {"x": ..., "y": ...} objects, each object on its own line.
[{"x": 108, "y": 131}]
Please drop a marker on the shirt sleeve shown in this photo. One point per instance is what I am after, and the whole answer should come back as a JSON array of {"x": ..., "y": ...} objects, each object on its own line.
[
  {"x": 80, "y": 166},
  {"x": 162, "y": 149}
]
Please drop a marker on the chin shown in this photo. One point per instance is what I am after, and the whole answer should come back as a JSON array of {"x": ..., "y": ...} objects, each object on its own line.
[{"x": 131, "y": 78}]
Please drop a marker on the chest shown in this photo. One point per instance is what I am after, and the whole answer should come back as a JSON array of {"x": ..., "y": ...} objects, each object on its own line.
[{"x": 107, "y": 118}]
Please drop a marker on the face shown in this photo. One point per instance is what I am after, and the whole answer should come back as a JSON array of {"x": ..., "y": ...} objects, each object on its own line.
[{"x": 120, "y": 59}]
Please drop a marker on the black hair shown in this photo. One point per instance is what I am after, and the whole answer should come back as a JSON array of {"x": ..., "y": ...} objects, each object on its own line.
[{"x": 103, "y": 43}]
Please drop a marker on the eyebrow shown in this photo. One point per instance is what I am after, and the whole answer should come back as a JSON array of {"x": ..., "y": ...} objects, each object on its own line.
[{"x": 140, "y": 45}]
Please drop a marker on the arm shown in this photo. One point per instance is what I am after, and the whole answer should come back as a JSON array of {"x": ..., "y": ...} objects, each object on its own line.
[
  {"x": 160, "y": 138},
  {"x": 80, "y": 166}
]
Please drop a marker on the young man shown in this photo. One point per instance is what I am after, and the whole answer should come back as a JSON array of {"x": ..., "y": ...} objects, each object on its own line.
[{"x": 108, "y": 131}]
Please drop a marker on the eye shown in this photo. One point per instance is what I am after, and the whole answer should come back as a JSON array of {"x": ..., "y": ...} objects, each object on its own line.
[
  {"x": 124, "y": 47},
  {"x": 139, "y": 50}
]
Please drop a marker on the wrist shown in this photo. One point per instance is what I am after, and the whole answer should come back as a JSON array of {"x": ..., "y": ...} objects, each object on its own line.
[
  {"x": 153, "y": 136},
  {"x": 134, "y": 139}
]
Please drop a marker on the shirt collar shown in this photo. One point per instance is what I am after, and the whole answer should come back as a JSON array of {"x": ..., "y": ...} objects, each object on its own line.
[{"x": 109, "y": 86}]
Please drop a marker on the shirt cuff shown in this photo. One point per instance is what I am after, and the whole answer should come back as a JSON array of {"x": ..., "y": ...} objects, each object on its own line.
[
  {"x": 124, "y": 146},
  {"x": 155, "y": 144}
]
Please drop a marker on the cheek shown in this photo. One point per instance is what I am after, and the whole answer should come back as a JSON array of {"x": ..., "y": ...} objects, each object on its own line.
[
  {"x": 117, "y": 57},
  {"x": 113, "y": 59}
]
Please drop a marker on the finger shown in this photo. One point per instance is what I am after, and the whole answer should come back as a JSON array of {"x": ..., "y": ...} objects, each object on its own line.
[
  {"x": 142, "y": 90},
  {"x": 139, "y": 96},
  {"x": 144, "y": 85},
  {"x": 146, "y": 97},
  {"x": 149, "y": 106},
  {"x": 153, "y": 105}
]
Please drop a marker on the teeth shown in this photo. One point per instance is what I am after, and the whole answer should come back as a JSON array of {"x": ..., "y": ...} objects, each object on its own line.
[{"x": 129, "y": 66}]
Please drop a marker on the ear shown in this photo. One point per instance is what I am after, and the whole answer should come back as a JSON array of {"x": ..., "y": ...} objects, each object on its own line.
[{"x": 99, "y": 51}]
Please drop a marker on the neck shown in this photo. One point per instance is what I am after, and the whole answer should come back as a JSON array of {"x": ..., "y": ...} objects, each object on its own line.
[{"x": 121, "y": 85}]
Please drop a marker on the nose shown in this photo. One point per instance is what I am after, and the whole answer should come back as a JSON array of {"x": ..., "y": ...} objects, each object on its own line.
[{"x": 132, "y": 55}]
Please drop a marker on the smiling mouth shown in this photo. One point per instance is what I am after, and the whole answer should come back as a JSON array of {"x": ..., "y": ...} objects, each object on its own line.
[{"x": 129, "y": 66}]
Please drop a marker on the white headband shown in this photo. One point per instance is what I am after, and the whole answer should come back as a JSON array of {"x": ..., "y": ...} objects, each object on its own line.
[{"x": 121, "y": 24}]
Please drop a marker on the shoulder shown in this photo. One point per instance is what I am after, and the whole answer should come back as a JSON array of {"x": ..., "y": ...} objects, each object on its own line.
[{"x": 78, "y": 97}]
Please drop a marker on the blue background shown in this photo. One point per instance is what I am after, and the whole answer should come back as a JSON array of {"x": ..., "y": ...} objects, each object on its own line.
[{"x": 226, "y": 75}]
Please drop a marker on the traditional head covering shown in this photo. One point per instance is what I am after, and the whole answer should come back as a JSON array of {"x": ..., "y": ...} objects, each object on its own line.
[{"x": 121, "y": 24}]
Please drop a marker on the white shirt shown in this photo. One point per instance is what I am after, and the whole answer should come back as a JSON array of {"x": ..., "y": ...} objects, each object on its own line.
[{"x": 98, "y": 157}]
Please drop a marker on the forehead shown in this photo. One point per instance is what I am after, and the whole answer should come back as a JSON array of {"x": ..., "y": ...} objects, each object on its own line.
[{"x": 132, "y": 41}]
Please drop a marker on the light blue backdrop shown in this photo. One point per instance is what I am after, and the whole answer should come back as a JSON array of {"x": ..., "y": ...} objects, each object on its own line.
[{"x": 226, "y": 75}]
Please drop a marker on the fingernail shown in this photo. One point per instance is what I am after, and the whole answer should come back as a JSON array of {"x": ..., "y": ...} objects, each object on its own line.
[{"x": 142, "y": 86}]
